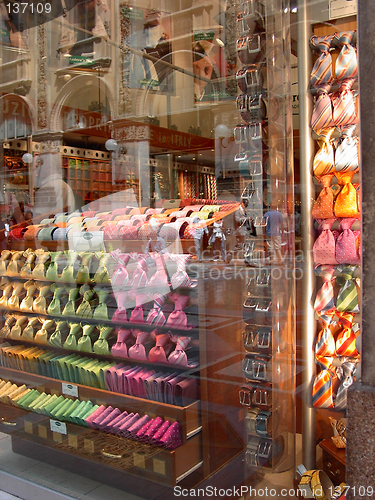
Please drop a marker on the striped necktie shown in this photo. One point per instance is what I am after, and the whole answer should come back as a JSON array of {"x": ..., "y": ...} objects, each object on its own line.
[
  {"x": 343, "y": 104},
  {"x": 322, "y": 393},
  {"x": 322, "y": 115},
  {"x": 156, "y": 316},
  {"x": 345, "y": 372},
  {"x": 325, "y": 299},
  {"x": 323, "y": 206},
  {"x": 346, "y": 155},
  {"x": 346, "y": 63},
  {"x": 347, "y": 297},
  {"x": 324, "y": 162},
  {"x": 346, "y": 339},
  {"x": 325, "y": 345},
  {"x": 321, "y": 74},
  {"x": 346, "y": 204}
]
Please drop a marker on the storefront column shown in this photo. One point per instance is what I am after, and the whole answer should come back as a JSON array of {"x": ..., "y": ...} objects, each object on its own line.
[{"x": 361, "y": 396}]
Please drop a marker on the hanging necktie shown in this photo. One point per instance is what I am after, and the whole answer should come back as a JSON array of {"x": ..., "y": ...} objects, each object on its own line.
[
  {"x": 322, "y": 392},
  {"x": 52, "y": 272},
  {"x": 85, "y": 342},
  {"x": 139, "y": 278},
  {"x": 17, "y": 294},
  {"x": 325, "y": 344},
  {"x": 178, "y": 356},
  {"x": 346, "y": 339},
  {"x": 120, "y": 348},
  {"x": 54, "y": 307},
  {"x": 322, "y": 115},
  {"x": 346, "y": 63},
  {"x": 40, "y": 303},
  {"x": 321, "y": 74},
  {"x": 101, "y": 311},
  {"x": 75, "y": 331},
  {"x": 325, "y": 298},
  {"x": 159, "y": 280},
  {"x": 346, "y": 244},
  {"x": 83, "y": 273},
  {"x": 324, "y": 161},
  {"x": 42, "y": 258},
  {"x": 137, "y": 351},
  {"x": 346, "y": 201},
  {"x": 323, "y": 206},
  {"x": 177, "y": 318},
  {"x": 324, "y": 249},
  {"x": 156, "y": 316},
  {"x": 30, "y": 329},
  {"x": 16, "y": 331},
  {"x": 157, "y": 353},
  {"x": 346, "y": 155},
  {"x": 345, "y": 373},
  {"x": 41, "y": 336},
  {"x": 121, "y": 277},
  {"x": 85, "y": 309},
  {"x": 343, "y": 105},
  {"x": 347, "y": 297},
  {"x": 28, "y": 267},
  {"x": 180, "y": 277},
  {"x": 137, "y": 315},
  {"x": 101, "y": 346},
  {"x": 70, "y": 308},
  {"x": 67, "y": 274},
  {"x": 57, "y": 336},
  {"x": 102, "y": 275}
]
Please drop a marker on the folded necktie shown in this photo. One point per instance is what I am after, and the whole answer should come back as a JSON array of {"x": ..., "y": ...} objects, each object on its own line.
[
  {"x": 120, "y": 348},
  {"x": 323, "y": 206},
  {"x": 177, "y": 318},
  {"x": 75, "y": 333},
  {"x": 346, "y": 244},
  {"x": 346, "y": 201},
  {"x": 137, "y": 351},
  {"x": 101, "y": 345},
  {"x": 85, "y": 342},
  {"x": 178, "y": 356}
]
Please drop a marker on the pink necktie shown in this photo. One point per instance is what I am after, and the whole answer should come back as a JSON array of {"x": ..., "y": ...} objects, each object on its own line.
[
  {"x": 343, "y": 104},
  {"x": 136, "y": 315},
  {"x": 120, "y": 277},
  {"x": 325, "y": 298},
  {"x": 180, "y": 277},
  {"x": 157, "y": 353},
  {"x": 120, "y": 315},
  {"x": 322, "y": 116},
  {"x": 139, "y": 278},
  {"x": 120, "y": 348},
  {"x": 156, "y": 316},
  {"x": 159, "y": 280},
  {"x": 178, "y": 356},
  {"x": 324, "y": 249},
  {"x": 142, "y": 431},
  {"x": 346, "y": 250},
  {"x": 177, "y": 318},
  {"x": 138, "y": 350},
  {"x": 172, "y": 437},
  {"x": 160, "y": 433}
]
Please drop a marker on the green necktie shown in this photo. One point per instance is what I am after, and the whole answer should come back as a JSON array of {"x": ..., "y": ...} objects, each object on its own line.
[
  {"x": 101, "y": 311},
  {"x": 30, "y": 329},
  {"x": 42, "y": 257},
  {"x": 57, "y": 336},
  {"x": 85, "y": 342},
  {"x": 55, "y": 306},
  {"x": 84, "y": 310},
  {"x": 27, "y": 303},
  {"x": 27, "y": 268},
  {"x": 74, "y": 333},
  {"x": 67, "y": 414},
  {"x": 52, "y": 404},
  {"x": 70, "y": 308},
  {"x": 40, "y": 303},
  {"x": 82, "y": 418},
  {"x": 67, "y": 274},
  {"x": 81, "y": 409},
  {"x": 102, "y": 275},
  {"x": 347, "y": 297},
  {"x": 52, "y": 272},
  {"x": 101, "y": 345},
  {"x": 83, "y": 273},
  {"x": 28, "y": 399},
  {"x": 41, "y": 336},
  {"x": 16, "y": 330}
]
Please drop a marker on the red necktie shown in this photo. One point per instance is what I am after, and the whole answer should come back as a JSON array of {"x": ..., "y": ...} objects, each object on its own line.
[{"x": 157, "y": 353}]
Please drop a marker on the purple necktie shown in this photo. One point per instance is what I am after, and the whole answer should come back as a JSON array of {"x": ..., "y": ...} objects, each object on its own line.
[
  {"x": 142, "y": 431},
  {"x": 138, "y": 350},
  {"x": 156, "y": 438},
  {"x": 172, "y": 437},
  {"x": 135, "y": 428},
  {"x": 111, "y": 426},
  {"x": 123, "y": 430},
  {"x": 178, "y": 356}
]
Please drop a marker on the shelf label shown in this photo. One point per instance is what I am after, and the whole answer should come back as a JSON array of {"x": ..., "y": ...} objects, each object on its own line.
[
  {"x": 57, "y": 426},
  {"x": 92, "y": 241},
  {"x": 342, "y": 8},
  {"x": 70, "y": 390}
]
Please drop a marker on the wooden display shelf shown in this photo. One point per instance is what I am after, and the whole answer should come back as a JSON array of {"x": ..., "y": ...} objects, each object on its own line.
[
  {"x": 334, "y": 461},
  {"x": 112, "y": 452},
  {"x": 188, "y": 417}
]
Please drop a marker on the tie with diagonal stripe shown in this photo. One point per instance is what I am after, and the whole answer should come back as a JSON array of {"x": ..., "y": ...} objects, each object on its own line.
[
  {"x": 325, "y": 299},
  {"x": 324, "y": 161},
  {"x": 346, "y": 63},
  {"x": 325, "y": 345},
  {"x": 346, "y": 339},
  {"x": 346, "y": 155},
  {"x": 343, "y": 104},
  {"x": 346, "y": 374},
  {"x": 322, "y": 394},
  {"x": 321, "y": 74},
  {"x": 322, "y": 115},
  {"x": 347, "y": 297}
]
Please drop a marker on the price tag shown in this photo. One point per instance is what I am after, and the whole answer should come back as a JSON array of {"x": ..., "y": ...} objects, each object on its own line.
[
  {"x": 57, "y": 426},
  {"x": 342, "y": 8},
  {"x": 70, "y": 390}
]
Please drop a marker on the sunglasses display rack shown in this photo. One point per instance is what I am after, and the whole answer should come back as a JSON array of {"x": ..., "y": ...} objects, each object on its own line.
[{"x": 263, "y": 148}]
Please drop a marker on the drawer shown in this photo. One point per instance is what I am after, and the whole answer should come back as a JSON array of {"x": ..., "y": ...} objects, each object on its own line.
[{"x": 333, "y": 468}]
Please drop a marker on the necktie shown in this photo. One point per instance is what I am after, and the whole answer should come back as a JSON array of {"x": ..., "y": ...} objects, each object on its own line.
[
  {"x": 83, "y": 273},
  {"x": 52, "y": 272},
  {"x": 75, "y": 331},
  {"x": 159, "y": 280},
  {"x": 41, "y": 336},
  {"x": 325, "y": 299},
  {"x": 120, "y": 348},
  {"x": 5, "y": 297},
  {"x": 70, "y": 308},
  {"x": 139, "y": 278},
  {"x": 346, "y": 201},
  {"x": 321, "y": 74},
  {"x": 156, "y": 316},
  {"x": 346, "y": 339},
  {"x": 85, "y": 342},
  {"x": 322, "y": 395},
  {"x": 27, "y": 269},
  {"x": 346, "y": 375},
  {"x": 16, "y": 331},
  {"x": 157, "y": 353},
  {"x": 40, "y": 303},
  {"x": 325, "y": 345},
  {"x": 101, "y": 311},
  {"x": 30, "y": 329},
  {"x": 102, "y": 275},
  {"x": 178, "y": 356},
  {"x": 172, "y": 437},
  {"x": 120, "y": 277},
  {"x": 42, "y": 258},
  {"x": 322, "y": 115},
  {"x": 177, "y": 318},
  {"x": 54, "y": 307},
  {"x": 85, "y": 309},
  {"x": 9, "y": 323},
  {"x": 346, "y": 155},
  {"x": 180, "y": 277},
  {"x": 346, "y": 244},
  {"x": 4, "y": 261},
  {"x": 137, "y": 315},
  {"x": 120, "y": 315},
  {"x": 137, "y": 351},
  {"x": 324, "y": 161},
  {"x": 347, "y": 297},
  {"x": 56, "y": 338},
  {"x": 343, "y": 104},
  {"x": 101, "y": 346},
  {"x": 324, "y": 249},
  {"x": 17, "y": 294},
  {"x": 67, "y": 274},
  {"x": 323, "y": 206},
  {"x": 346, "y": 63}
]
